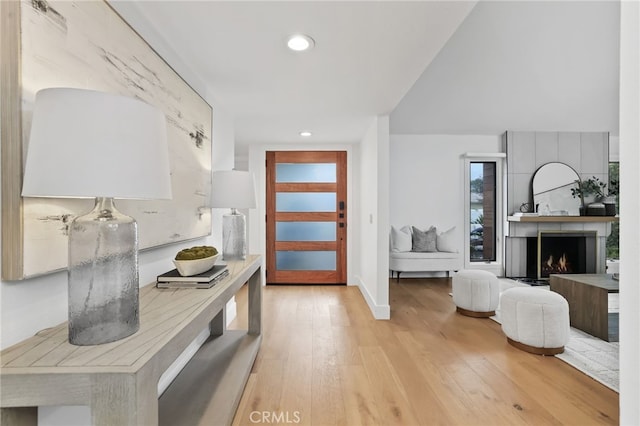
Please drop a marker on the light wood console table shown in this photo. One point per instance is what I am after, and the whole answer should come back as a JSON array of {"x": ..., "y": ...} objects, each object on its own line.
[{"x": 119, "y": 380}]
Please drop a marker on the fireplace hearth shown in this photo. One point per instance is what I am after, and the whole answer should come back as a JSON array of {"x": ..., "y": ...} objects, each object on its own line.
[{"x": 521, "y": 251}]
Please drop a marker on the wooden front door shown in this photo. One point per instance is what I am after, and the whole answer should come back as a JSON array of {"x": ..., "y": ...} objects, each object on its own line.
[{"x": 306, "y": 217}]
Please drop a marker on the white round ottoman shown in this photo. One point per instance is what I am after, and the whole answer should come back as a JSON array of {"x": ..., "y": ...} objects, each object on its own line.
[
  {"x": 475, "y": 293},
  {"x": 535, "y": 320}
]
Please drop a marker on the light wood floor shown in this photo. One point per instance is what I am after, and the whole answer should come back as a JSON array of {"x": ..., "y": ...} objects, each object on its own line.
[{"x": 325, "y": 361}]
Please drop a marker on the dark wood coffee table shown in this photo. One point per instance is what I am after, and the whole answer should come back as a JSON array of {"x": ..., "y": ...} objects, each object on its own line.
[{"x": 588, "y": 297}]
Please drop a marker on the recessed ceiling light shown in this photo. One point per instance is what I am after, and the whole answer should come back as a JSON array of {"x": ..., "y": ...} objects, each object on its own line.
[
  {"x": 300, "y": 42},
  {"x": 305, "y": 133}
]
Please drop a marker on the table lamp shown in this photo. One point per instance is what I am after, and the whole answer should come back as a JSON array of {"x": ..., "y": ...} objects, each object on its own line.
[
  {"x": 88, "y": 144},
  {"x": 233, "y": 189}
]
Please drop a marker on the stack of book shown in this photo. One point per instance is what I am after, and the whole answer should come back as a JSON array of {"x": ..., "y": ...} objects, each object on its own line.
[{"x": 207, "y": 279}]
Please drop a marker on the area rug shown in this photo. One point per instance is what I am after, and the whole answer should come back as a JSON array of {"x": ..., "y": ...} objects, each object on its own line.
[{"x": 594, "y": 357}]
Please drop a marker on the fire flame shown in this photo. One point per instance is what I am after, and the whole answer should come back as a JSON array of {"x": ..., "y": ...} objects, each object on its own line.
[
  {"x": 562, "y": 263},
  {"x": 552, "y": 266}
]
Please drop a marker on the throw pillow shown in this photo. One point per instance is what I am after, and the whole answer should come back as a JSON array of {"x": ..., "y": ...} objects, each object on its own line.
[
  {"x": 446, "y": 241},
  {"x": 400, "y": 239},
  {"x": 424, "y": 241}
]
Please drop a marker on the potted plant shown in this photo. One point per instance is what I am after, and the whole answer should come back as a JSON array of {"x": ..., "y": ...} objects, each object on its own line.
[{"x": 594, "y": 190}]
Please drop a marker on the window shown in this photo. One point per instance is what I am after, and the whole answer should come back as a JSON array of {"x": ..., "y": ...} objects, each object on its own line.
[{"x": 482, "y": 211}]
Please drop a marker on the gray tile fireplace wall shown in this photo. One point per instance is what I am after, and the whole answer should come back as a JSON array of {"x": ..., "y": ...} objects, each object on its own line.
[{"x": 586, "y": 152}]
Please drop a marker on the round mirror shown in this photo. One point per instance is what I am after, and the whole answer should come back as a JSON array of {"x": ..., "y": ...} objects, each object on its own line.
[{"x": 552, "y": 185}]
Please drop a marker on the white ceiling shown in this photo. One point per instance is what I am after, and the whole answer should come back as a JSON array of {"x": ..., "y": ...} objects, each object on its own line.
[
  {"x": 367, "y": 56},
  {"x": 518, "y": 65}
]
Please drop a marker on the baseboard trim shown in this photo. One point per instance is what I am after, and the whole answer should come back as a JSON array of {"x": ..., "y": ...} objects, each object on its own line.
[{"x": 380, "y": 312}]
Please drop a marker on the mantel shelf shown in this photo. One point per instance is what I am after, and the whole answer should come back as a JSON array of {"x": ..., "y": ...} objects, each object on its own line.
[{"x": 567, "y": 219}]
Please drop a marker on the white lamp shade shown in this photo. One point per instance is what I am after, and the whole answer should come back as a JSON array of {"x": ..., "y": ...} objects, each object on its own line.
[
  {"x": 233, "y": 189},
  {"x": 85, "y": 143}
]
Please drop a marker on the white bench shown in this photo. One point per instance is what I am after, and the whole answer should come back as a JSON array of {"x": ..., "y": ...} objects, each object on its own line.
[
  {"x": 443, "y": 258},
  {"x": 438, "y": 261}
]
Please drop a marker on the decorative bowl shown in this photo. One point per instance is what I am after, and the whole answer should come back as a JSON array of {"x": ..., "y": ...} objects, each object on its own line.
[{"x": 187, "y": 268}]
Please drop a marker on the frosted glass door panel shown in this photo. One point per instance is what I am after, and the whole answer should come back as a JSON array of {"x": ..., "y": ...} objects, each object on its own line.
[
  {"x": 306, "y": 217},
  {"x": 306, "y": 260},
  {"x": 299, "y": 172},
  {"x": 306, "y": 202},
  {"x": 305, "y": 231}
]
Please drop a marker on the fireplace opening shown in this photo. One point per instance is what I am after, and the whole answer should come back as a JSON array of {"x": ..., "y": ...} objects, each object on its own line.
[{"x": 561, "y": 252}]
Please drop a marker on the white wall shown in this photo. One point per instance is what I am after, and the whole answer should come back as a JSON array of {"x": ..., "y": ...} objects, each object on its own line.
[
  {"x": 31, "y": 305},
  {"x": 374, "y": 218},
  {"x": 629, "y": 214},
  {"x": 427, "y": 180},
  {"x": 426, "y": 177}
]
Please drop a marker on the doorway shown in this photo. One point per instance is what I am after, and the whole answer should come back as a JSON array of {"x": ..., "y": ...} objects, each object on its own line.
[{"x": 306, "y": 217}]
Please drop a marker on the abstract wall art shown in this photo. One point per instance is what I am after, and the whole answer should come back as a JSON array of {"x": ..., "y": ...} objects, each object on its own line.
[{"x": 86, "y": 44}]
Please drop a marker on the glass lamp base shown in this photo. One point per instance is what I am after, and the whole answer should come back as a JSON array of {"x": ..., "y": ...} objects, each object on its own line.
[
  {"x": 103, "y": 276},
  {"x": 234, "y": 236}
]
